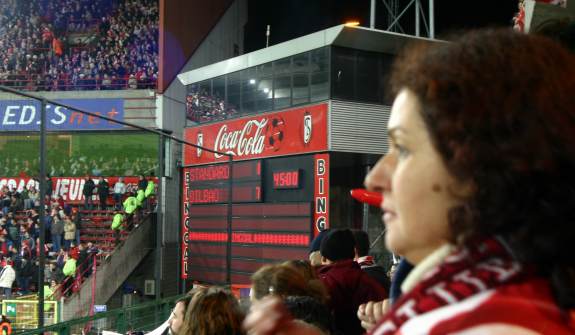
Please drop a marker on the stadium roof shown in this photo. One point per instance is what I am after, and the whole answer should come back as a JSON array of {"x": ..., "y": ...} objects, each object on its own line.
[{"x": 359, "y": 38}]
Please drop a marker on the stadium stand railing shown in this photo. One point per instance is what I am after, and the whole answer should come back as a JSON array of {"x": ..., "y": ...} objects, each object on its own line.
[{"x": 141, "y": 317}]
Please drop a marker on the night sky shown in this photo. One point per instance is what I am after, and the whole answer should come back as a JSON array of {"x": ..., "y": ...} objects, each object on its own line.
[{"x": 294, "y": 18}]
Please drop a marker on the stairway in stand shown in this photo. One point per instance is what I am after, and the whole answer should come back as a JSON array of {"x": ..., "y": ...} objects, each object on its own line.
[
  {"x": 115, "y": 264},
  {"x": 95, "y": 228}
]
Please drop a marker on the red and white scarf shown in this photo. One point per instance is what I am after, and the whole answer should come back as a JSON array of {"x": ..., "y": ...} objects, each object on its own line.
[
  {"x": 464, "y": 273},
  {"x": 365, "y": 261}
]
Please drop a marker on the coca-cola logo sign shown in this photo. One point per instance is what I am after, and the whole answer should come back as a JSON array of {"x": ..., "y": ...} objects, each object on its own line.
[
  {"x": 247, "y": 141},
  {"x": 273, "y": 134}
]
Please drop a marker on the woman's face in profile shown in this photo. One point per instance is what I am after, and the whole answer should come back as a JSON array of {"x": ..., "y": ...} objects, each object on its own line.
[
  {"x": 417, "y": 189},
  {"x": 177, "y": 318}
]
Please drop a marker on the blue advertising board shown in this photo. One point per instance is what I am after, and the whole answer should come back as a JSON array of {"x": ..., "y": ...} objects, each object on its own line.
[{"x": 24, "y": 115}]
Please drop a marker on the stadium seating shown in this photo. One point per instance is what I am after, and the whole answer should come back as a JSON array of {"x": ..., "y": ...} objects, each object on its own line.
[{"x": 78, "y": 44}]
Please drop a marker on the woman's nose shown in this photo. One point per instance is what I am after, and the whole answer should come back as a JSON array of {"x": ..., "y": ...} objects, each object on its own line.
[{"x": 378, "y": 179}]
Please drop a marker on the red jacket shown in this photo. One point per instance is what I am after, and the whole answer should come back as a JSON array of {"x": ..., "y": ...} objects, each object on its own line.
[{"x": 348, "y": 287}]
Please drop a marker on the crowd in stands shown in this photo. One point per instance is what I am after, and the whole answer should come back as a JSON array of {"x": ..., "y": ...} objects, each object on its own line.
[
  {"x": 75, "y": 166},
  {"x": 204, "y": 107},
  {"x": 79, "y": 44},
  {"x": 69, "y": 260}
]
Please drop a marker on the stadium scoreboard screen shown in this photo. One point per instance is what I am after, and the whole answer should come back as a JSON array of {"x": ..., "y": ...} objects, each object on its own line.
[
  {"x": 209, "y": 184},
  {"x": 271, "y": 216}
]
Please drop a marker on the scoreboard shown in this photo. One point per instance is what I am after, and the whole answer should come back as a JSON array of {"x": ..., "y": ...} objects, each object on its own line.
[
  {"x": 271, "y": 216},
  {"x": 209, "y": 184}
]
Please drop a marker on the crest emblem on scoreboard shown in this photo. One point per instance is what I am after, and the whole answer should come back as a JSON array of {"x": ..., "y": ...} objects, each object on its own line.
[
  {"x": 307, "y": 127},
  {"x": 200, "y": 143}
]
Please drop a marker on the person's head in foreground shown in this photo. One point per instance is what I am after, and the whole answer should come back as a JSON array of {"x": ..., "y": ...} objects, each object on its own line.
[
  {"x": 478, "y": 188},
  {"x": 178, "y": 314},
  {"x": 480, "y": 166},
  {"x": 213, "y": 311},
  {"x": 285, "y": 280}
]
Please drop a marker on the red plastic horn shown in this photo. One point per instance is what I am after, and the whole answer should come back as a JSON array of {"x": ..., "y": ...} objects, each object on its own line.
[{"x": 367, "y": 197}]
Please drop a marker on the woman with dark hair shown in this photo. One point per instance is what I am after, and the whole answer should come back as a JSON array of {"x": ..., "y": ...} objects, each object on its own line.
[{"x": 478, "y": 189}]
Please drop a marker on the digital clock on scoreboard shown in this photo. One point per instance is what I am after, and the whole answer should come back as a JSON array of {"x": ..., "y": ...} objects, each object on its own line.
[{"x": 289, "y": 179}]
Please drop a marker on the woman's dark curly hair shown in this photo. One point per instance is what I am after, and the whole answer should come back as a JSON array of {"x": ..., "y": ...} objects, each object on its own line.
[{"x": 500, "y": 109}]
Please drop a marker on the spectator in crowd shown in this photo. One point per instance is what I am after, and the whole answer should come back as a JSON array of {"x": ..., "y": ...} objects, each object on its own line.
[
  {"x": 213, "y": 311},
  {"x": 119, "y": 190},
  {"x": 69, "y": 272},
  {"x": 76, "y": 217},
  {"x": 366, "y": 262},
  {"x": 16, "y": 203},
  {"x": 398, "y": 273},
  {"x": 103, "y": 192},
  {"x": 347, "y": 284},
  {"x": 150, "y": 191},
  {"x": 55, "y": 273},
  {"x": 130, "y": 208},
  {"x": 285, "y": 280},
  {"x": 82, "y": 259},
  {"x": 69, "y": 232},
  {"x": 304, "y": 268},
  {"x": 141, "y": 192},
  {"x": 24, "y": 272},
  {"x": 311, "y": 312},
  {"x": 4, "y": 243},
  {"x": 117, "y": 226},
  {"x": 92, "y": 251},
  {"x": 7, "y": 278},
  {"x": 88, "y": 191},
  {"x": 56, "y": 231},
  {"x": 314, "y": 252},
  {"x": 49, "y": 186},
  {"x": 177, "y": 318}
]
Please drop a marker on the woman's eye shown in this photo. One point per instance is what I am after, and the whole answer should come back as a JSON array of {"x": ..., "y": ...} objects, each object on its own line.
[{"x": 401, "y": 151}]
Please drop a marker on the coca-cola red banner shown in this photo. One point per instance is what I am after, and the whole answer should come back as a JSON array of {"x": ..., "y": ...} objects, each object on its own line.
[
  {"x": 69, "y": 188},
  {"x": 289, "y": 132}
]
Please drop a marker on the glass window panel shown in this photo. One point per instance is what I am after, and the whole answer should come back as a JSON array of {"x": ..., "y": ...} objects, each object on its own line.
[
  {"x": 249, "y": 87},
  {"x": 319, "y": 60},
  {"x": 219, "y": 88},
  {"x": 205, "y": 87},
  {"x": 282, "y": 92},
  {"x": 319, "y": 86},
  {"x": 234, "y": 98},
  {"x": 300, "y": 63},
  {"x": 300, "y": 89},
  {"x": 282, "y": 66},
  {"x": 264, "y": 93},
  {"x": 265, "y": 70},
  {"x": 367, "y": 79},
  {"x": 343, "y": 73}
]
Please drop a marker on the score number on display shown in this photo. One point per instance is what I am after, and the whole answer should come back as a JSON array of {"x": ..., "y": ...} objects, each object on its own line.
[{"x": 286, "y": 179}]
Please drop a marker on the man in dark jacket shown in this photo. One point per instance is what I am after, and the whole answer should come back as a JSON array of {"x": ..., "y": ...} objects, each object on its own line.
[
  {"x": 348, "y": 286},
  {"x": 87, "y": 191},
  {"x": 103, "y": 192}
]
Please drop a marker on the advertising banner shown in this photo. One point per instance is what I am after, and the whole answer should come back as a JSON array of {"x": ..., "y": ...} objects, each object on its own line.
[
  {"x": 293, "y": 131},
  {"x": 24, "y": 115},
  {"x": 68, "y": 188}
]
